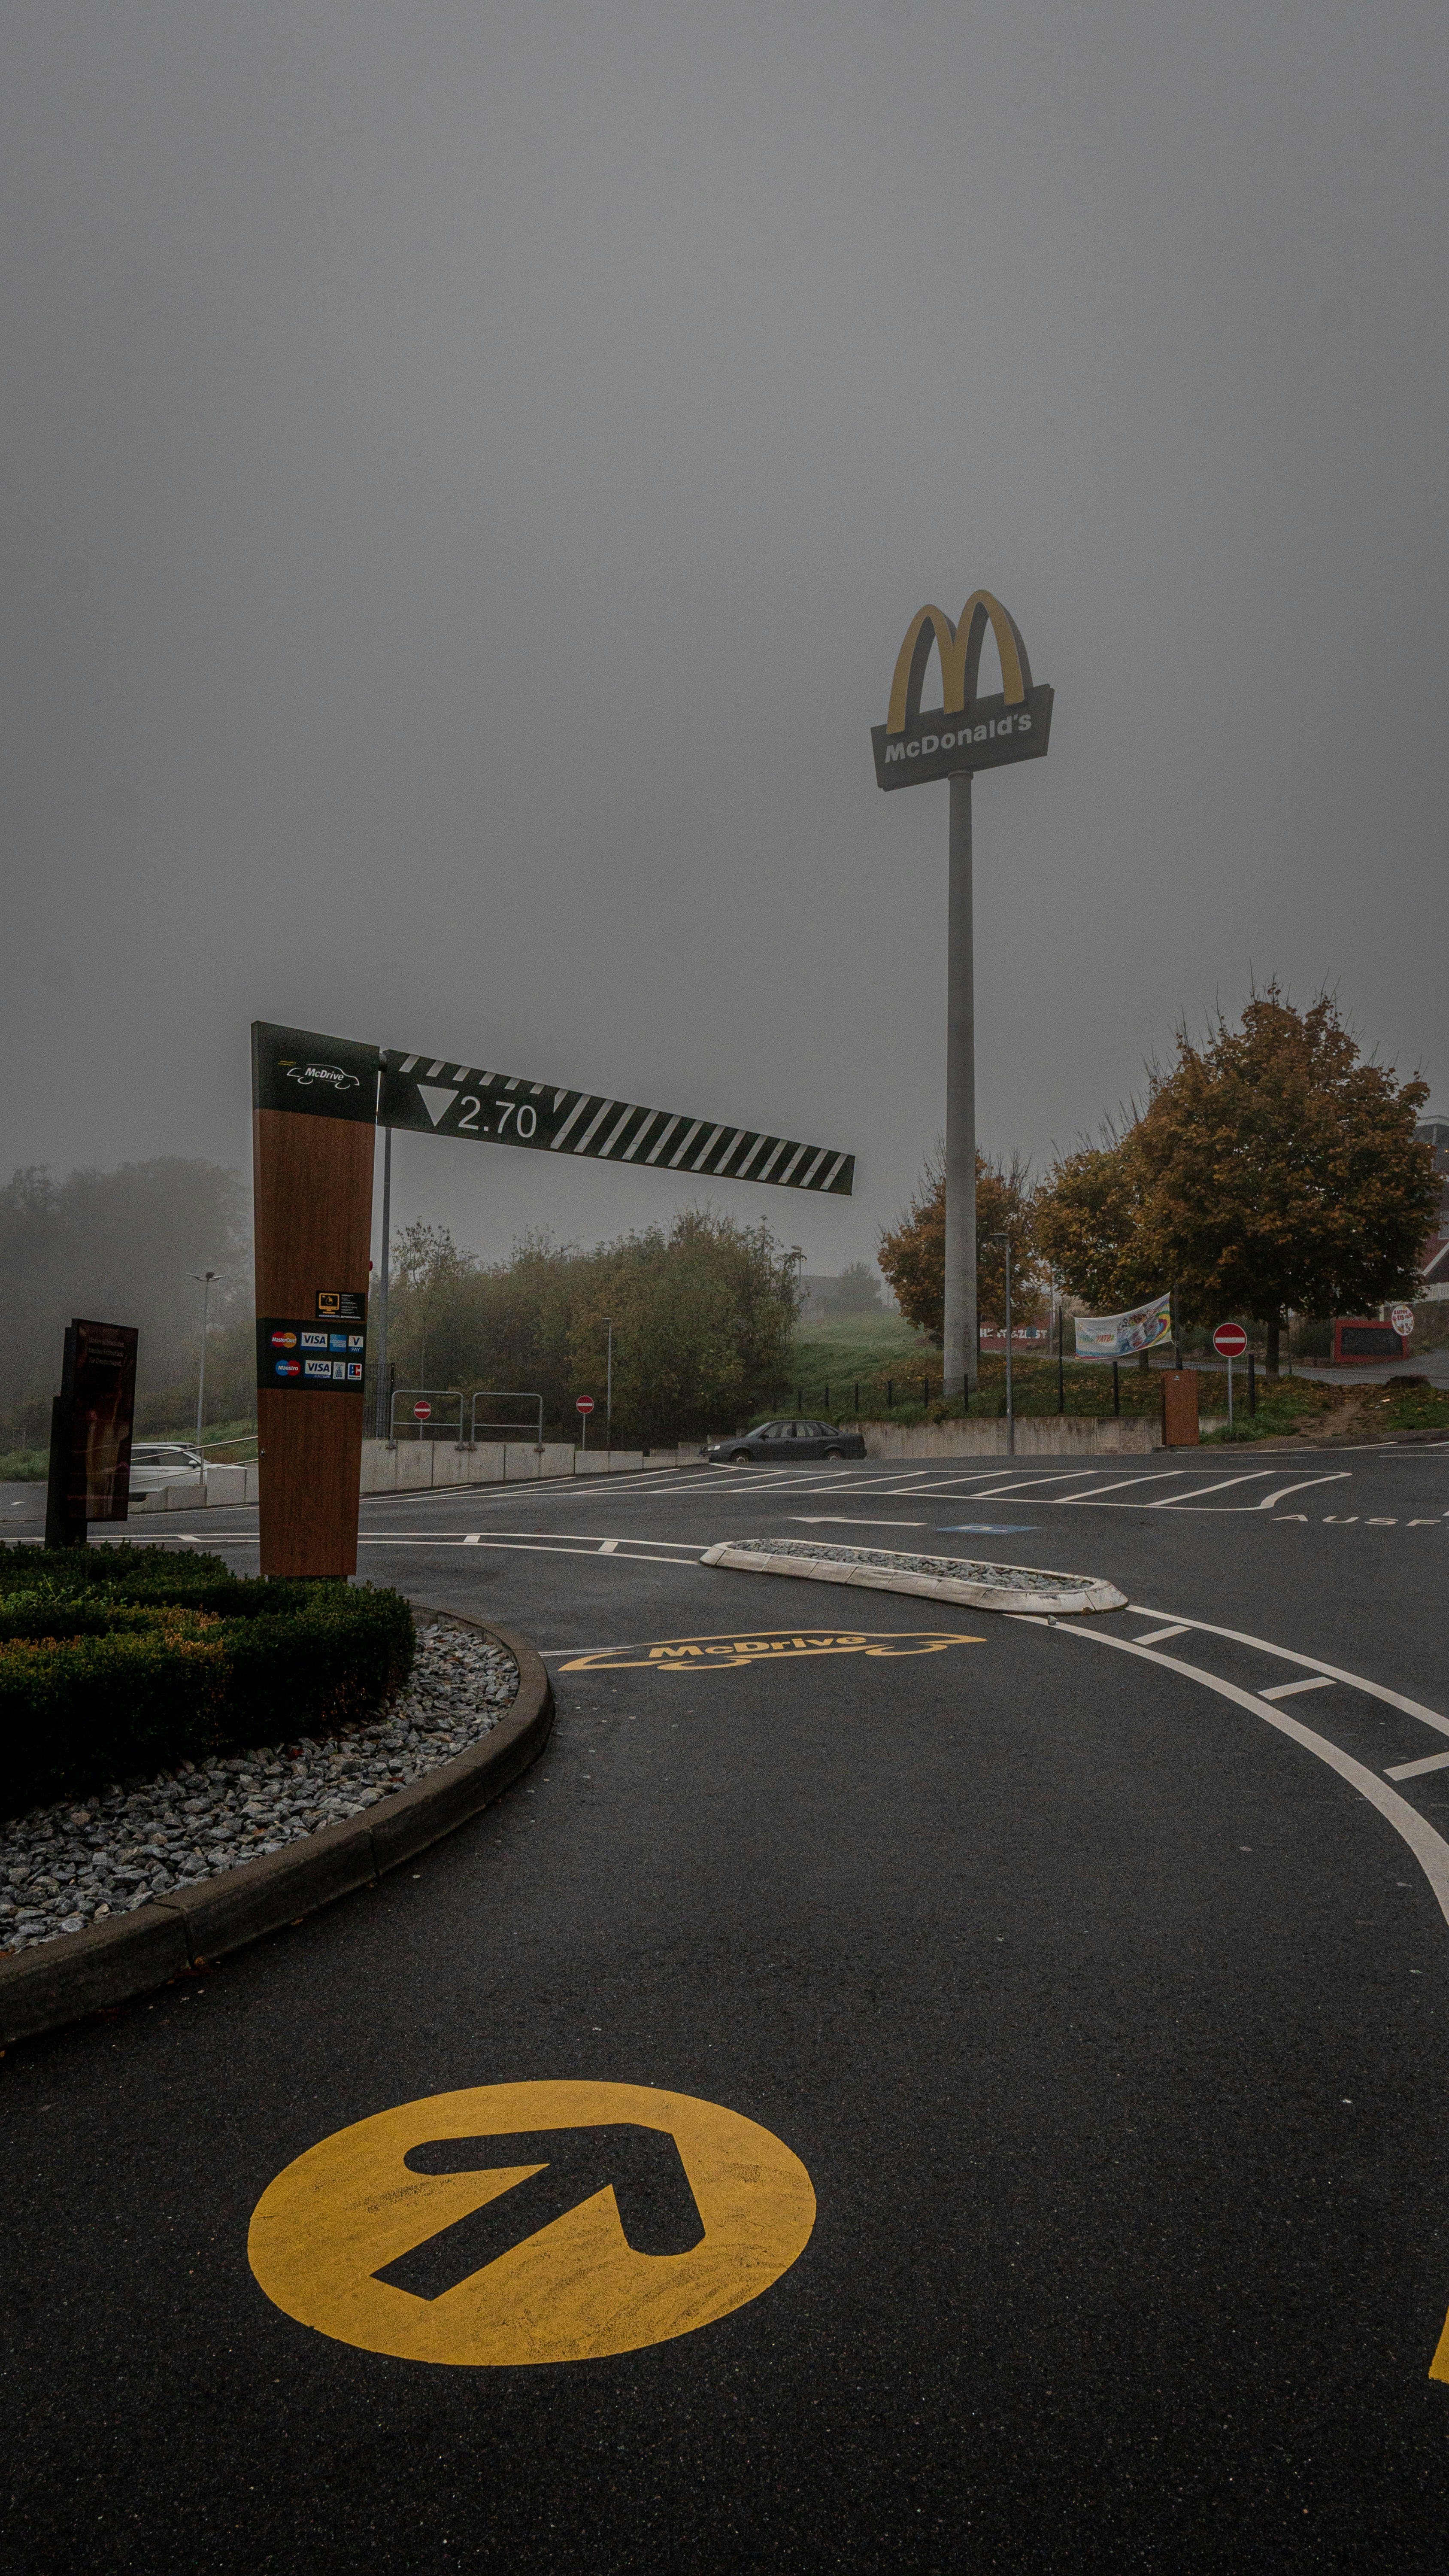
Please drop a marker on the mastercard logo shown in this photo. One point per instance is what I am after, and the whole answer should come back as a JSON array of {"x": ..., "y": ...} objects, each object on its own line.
[{"x": 284, "y": 1341}]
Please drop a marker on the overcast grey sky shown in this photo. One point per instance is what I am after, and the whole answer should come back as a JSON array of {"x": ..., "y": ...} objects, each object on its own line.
[{"x": 467, "y": 473}]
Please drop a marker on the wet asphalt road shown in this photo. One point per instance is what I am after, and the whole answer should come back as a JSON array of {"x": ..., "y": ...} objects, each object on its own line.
[{"x": 1107, "y": 2019}]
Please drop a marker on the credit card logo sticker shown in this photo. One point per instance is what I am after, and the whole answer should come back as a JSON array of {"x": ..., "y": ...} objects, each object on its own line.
[
  {"x": 289, "y": 1368},
  {"x": 284, "y": 1341},
  {"x": 314, "y": 1341},
  {"x": 354, "y": 1371},
  {"x": 317, "y": 1368}
]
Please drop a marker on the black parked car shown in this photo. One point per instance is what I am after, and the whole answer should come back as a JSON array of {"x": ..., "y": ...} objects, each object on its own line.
[{"x": 785, "y": 1444}]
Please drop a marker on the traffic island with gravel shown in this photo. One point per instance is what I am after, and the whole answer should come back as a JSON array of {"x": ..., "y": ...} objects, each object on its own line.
[
  {"x": 71, "y": 1864},
  {"x": 983, "y": 1586}
]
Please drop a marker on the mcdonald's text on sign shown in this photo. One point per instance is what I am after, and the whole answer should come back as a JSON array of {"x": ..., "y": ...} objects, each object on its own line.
[{"x": 966, "y": 732}]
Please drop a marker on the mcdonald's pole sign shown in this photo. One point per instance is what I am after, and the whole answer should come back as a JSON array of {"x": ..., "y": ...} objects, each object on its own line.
[{"x": 965, "y": 733}]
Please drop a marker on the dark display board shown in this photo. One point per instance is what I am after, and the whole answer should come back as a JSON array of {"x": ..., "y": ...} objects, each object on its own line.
[{"x": 90, "y": 1431}]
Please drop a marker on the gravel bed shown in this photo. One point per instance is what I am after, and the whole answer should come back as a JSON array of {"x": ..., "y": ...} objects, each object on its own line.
[
  {"x": 64, "y": 1866},
  {"x": 954, "y": 1569}
]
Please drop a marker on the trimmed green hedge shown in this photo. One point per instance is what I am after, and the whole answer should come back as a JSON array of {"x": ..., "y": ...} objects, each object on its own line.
[{"x": 109, "y": 1668}]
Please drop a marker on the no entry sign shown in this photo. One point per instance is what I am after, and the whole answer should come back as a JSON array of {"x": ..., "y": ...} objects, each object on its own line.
[
  {"x": 1230, "y": 1341},
  {"x": 422, "y": 1412},
  {"x": 586, "y": 1404}
]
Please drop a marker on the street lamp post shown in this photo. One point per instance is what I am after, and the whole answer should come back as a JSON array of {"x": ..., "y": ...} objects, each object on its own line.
[
  {"x": 1005, "y": 1241},
  {"x": 204, "y": 1280},
  {"x": 609, "y": 1390},
  {"x": 960, "y": 1358}
]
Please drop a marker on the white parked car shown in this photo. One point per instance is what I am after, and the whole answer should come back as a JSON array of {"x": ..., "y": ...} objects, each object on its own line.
[{"x": 157, "y": 1463}]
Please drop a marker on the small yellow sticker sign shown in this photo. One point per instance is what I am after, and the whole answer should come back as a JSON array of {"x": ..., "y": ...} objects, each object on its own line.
[
  {"x": 762, "y": 1646},
  {"x": 531, "y": 2222}
]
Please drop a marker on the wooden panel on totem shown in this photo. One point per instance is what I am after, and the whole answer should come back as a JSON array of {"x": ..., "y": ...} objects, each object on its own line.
[{"x": 313, "y": 1224}]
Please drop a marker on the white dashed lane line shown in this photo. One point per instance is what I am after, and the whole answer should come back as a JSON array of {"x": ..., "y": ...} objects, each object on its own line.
[{"x": 1429, "y": 1849}]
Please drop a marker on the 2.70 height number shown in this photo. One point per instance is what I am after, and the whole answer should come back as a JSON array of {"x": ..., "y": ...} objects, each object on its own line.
[{"x": 523, "y": 1114}]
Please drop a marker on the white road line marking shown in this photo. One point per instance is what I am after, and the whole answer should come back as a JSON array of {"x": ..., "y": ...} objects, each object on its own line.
[
  {"x": 841, "y": 1520},
  {"x": 491, "y": 1538},
  {"x": 1313, "y": 1663},
  {"x": 1159, "y": 1477},
  {"x": 1155, "y": 1636},
  {"x": 1429, "y": 1849},
  {"x": 1028, "y": 1484},
  {"x": 1253, "y": 1476},
  {"x": 1412, "y": 1770},
  {"x": 1284, "y": 1491},
  {"x": 607, "y": 1546},
  {"x": 587, "y": 1549},
  {"x": 1290, "y": 1690}
]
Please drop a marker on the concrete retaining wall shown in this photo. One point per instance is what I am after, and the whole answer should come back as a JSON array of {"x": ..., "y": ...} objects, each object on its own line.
[
  {"x": 224, "y": 1486},
  {"x": 429, "y": 1465},
  {"x": 1053, "y": 1435}
]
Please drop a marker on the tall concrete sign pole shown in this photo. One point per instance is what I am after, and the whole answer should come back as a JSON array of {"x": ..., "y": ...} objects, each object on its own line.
[
  {"x": 314, "y": 1119},
  {"x": 965, "y": 733},
  {"x": 959, "y": 1353}
]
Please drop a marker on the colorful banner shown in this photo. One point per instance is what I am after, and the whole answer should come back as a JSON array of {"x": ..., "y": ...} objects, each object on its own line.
[{"x": 1115, "y": 1337}]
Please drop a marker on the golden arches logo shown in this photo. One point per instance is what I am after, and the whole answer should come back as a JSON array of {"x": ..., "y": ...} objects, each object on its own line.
[{"x": 960, "y": 650}]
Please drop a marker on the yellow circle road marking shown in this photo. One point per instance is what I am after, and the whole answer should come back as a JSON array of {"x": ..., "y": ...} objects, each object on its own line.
[
  {"x": 762, "y": 1645},
  {"x": 574, "y": 2290}
]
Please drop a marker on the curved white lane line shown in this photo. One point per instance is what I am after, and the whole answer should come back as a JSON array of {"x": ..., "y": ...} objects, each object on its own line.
[
  {"x": 1429, "y": 1849},
  {"x": 1313, "y": 1663}
]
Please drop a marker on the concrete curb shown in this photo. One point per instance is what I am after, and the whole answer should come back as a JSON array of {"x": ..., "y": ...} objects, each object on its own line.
[
  {"x": 61, "y": 1981},
  {"x": 1078, "y": 1592}
]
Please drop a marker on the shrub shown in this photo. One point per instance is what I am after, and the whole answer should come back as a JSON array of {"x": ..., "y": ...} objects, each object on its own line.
[{"x": 155, "y": 1660}]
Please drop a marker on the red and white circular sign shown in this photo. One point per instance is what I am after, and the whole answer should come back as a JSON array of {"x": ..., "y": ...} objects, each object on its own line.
[
  {"x": 422, "y": 1412},
  {"x": 586, "y": 1404},
  {"x": 1402, "y": 1319},
  {"x": 1230, "y": 1341}
]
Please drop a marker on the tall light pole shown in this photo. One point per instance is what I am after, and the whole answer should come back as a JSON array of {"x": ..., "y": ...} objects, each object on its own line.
[
  {"x": 960, "y": 1359},
  {"x": 965, "y": 733},
  {"x": 1005, "y": 1241},
  {"x": 609, "y": 1390},
  {"x": 204, "y": 1279}
]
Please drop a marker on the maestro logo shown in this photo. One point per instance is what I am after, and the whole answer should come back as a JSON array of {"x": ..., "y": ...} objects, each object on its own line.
[
  {"x": 531, "y": 2223},
  {"x": 331, "y": 1076},
  {"x": 966, "y": 732}
]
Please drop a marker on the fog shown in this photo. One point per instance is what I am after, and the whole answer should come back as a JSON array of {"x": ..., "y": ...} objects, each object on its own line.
[{"x": 468, "y": 470}]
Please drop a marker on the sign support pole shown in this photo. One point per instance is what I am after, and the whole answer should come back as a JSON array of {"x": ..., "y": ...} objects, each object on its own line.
[
  {"x": 960, "y": 1355},
  {"x": 382, "y": 1285}
]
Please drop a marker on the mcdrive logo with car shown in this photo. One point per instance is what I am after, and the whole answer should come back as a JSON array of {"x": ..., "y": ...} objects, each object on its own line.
[{"x": 966, "y": 732}]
